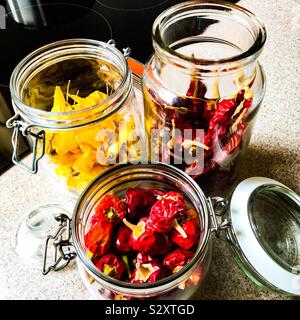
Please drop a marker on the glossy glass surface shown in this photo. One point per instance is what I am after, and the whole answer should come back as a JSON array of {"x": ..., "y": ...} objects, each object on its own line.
[
  {"x": 81, "y": 142},
  {"x": 180, "y": 285},
  {"x": 275, "y": 219},
  {"x": 205, "y": 59}
]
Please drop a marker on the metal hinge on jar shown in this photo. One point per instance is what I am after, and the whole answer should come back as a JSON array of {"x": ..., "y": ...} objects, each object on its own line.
[
  {"x": 126, "y": 51},
  {"x": 63, "y": 246},
  {"x": 218, "y": 208},
  {"x": 20, "y": 126}
]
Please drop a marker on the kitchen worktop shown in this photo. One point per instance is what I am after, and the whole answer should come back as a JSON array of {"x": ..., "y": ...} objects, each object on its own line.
[{"x": 274, "y": 152}]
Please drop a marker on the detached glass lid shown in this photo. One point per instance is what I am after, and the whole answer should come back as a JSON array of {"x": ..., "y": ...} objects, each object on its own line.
[{"x": 265, "y": 231}]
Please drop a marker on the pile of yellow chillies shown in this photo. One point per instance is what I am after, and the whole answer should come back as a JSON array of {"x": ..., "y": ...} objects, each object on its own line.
[{"x": 81, "y": 154}]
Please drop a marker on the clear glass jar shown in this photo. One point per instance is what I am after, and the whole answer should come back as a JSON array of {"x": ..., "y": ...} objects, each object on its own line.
[
  {"x": 204, "y": 77},
  {"x": 77, "y": 138},
  {"x": 182, "y": 284},
  {"x": 259, "y": 223}
]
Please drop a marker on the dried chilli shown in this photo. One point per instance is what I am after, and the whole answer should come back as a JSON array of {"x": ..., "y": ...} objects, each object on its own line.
[{"x": 152, "y": 248}]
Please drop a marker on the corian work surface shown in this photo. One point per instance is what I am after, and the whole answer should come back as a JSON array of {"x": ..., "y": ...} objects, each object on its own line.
[{"x": 274, "y": 152}]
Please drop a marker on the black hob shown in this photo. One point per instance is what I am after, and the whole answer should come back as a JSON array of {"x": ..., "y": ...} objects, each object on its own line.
[{"x": 27, "y": 25}]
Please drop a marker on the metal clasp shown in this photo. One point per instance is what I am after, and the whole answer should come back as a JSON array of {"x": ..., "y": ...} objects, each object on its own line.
[
  {"x": 64, "y": 252},
  {"x": 111, "y": 42},
  {"x": 26, "y": 130},
  {"x": 218, "y": 208},
  {"x": 126, "y": 51}
]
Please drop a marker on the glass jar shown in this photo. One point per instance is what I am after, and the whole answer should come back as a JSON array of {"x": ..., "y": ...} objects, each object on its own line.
[
  {"x": 203, "y": 88},
  {"x": 75, "y": 100},
  {"x": 260, "y": 224},
  {"x": 182, "y": 284}
]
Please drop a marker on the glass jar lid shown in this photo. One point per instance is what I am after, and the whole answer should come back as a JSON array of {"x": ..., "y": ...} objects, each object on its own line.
[{"x": 265, "y": 233}]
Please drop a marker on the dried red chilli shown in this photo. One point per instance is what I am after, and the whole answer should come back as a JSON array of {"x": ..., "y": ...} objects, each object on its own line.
[
  {"x": 219, "y": 120},
  {"x": 151, "y": 271},
  {"x": 219, "y": 150},
  {"x": 192, "y": 230},
  {"x": 221, "y": 156},
  {"x": 112, "y": 266},
  {"x": 148, "y": 241},
  {"x": 98, "y": 238},
  {"x": 143, "y": 258},
  {"x": 123, "y": 240},
  {"x": 177, "y": 259},
  {"x": 110, "y": 209},
  {"x": 140, "y": 201},
  {"x": 197, "y": 89},
  {"x": 234, "y": 140},
  {"x": 164, "y": 212}
]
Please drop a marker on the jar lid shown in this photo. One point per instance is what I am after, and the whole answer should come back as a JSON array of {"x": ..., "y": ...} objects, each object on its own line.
[{"x": 265, "y": 233}]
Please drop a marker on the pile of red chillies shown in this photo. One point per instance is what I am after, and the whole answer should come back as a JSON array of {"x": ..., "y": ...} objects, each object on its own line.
[
  {"x": 223, "y": 120},
  {"x": 144, "y": 237},
  {"x": 219, "y": 122}
]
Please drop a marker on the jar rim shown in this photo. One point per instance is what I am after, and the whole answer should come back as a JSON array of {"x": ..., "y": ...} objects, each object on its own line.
[
  {"x": 43, "y": 118},
  {"x": 135, "y": 289},
  {"x": 218, "y": 5}
]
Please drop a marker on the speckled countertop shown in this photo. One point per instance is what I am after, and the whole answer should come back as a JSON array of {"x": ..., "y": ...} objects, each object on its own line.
[{"x": 274, "y": 152}]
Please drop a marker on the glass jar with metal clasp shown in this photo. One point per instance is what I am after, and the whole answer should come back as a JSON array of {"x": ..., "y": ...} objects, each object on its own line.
[
  {"x": 80, "y": 106},
  {"x": 203, "y": 88},
  {"x": 260, "y": 223},
  {"x": 76, "y": 102}
]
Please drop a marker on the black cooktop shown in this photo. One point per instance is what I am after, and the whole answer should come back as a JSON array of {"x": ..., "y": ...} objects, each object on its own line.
[{"x": 27, "y": 25}]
